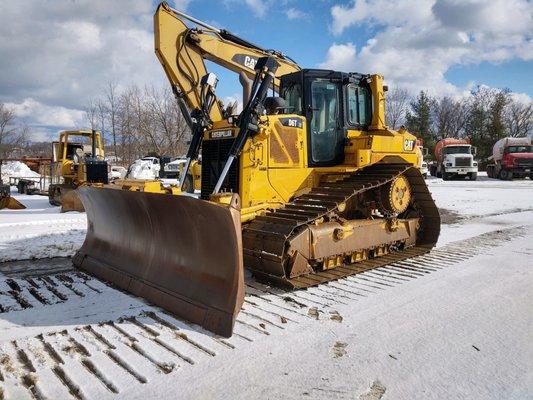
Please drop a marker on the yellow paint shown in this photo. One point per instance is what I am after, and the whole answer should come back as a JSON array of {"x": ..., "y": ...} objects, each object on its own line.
[{"x": 63, "y": 169}]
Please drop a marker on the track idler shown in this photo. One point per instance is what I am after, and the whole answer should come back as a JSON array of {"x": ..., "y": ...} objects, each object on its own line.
[{"x": 178, "y": 252}]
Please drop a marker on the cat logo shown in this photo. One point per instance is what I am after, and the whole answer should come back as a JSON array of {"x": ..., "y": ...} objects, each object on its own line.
[
  {"x": 246, "y": 60},
  {"x": 221, "y": 134},
  {"x": 249, "y": 62},
  {"x": 408, "y": 145}
]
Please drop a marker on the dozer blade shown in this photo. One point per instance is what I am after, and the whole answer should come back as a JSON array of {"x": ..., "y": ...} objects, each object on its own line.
[
  {"x": 11, "y": 203},
  {"x": 178, "y": 252},
  {"x": 70, "y": 201}
]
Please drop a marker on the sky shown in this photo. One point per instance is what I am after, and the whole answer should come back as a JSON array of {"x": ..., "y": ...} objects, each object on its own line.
[{"x": 56, "y": 55}]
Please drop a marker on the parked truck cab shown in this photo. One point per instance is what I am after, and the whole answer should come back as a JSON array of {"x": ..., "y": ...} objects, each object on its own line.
[
  {"x": 511, "y": 158},
  {"x": 454, "y": 159}
]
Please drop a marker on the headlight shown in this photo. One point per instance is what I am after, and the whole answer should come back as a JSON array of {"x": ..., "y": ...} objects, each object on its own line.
[
  {"x": 448, "y": 164},
  {"x": 474, "y": 164}
]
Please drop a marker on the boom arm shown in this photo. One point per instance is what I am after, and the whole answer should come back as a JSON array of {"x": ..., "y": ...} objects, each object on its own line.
[{"x": 182, "y": 51}]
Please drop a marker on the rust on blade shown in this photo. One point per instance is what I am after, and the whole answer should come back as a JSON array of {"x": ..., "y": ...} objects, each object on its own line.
[
  {"x": 178, "y": 252},
  {"x": 70, "y": 201},
  {"x": 11, "y": 203}
]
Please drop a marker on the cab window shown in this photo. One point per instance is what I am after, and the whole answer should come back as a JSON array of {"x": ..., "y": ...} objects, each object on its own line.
[
  {"x": 293, "y": 98},
  {"x": 358, "y": 105}
]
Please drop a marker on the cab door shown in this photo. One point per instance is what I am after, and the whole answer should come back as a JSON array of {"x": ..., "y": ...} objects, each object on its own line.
[{"x": 326, "y": 129}]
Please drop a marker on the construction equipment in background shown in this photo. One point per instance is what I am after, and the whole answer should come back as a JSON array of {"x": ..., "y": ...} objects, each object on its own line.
[
  {"x": 78, "y": 158},
  {"x": 192, "y": 181},
  {"x": 454, "y": 159},
  {"x": 6, "y": 201},
  {"x": 511, "y": 158},
  {"x": 422, "y": 157},
  {"x": 299, "y": 188}
]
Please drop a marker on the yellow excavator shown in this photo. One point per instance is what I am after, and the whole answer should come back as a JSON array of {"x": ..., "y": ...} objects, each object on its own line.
[
  {"x": 78, "y": 158},
  {"x": 298, "y": 187}
]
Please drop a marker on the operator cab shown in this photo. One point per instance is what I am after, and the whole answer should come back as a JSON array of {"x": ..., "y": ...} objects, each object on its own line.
[{"x": 332, "y": 103}]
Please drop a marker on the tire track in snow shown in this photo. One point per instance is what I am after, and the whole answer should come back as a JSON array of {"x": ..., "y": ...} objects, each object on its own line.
[{"x": 100, "y": 360}]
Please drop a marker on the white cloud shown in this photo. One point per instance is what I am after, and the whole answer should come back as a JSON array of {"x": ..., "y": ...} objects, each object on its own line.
[
  {"x": 522, "y": 98},
  {"x": 418, "y": 41},
  {"x": 43, "y": 114},
  {"x": 81, "y": 35},
  {"x": 235, "y": 98},
  {"x": 259, "y": 7},
  {"x": 60, "y": 54},
  {"x": 341, "y": 57},
  {"x": 295, "y": 14},
  {"x": 379, "y": 12}
]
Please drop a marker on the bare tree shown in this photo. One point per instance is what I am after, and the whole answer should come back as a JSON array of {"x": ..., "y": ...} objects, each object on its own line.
[
  {"x": 91, "y": 113},
  {"x": 397, "y": 104},
  {"x": 449, "y": 117},
  {"x": 112, "y": 104},
  {"x": 518, "y": 118},
  {"x": 7, "y": 129}
]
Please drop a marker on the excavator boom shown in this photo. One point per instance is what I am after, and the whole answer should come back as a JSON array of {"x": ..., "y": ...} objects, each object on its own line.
[{"x": 182, "y": 51}]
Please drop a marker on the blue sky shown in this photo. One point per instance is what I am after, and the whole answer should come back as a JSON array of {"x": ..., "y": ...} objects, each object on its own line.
[
  {"x": 308, "y": 37},
  {"x": 58, "y": 55},
  {"x": 516, "y": 75}
]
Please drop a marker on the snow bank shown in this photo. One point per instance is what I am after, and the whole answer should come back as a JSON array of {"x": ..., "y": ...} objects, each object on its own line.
[
  {"x": 17, "y": 169},
  {"x": 142, "y": 169}
]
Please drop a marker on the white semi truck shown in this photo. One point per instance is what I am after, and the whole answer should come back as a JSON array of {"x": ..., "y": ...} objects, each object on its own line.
[{"x": 454, "y": 159}]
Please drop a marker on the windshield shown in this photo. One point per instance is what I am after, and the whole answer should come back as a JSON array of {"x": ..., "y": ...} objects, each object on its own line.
[
  {"x": 456, "y": 150},
  {"x": 293, "y": 98},
  {"x": 518, "y": 149}
]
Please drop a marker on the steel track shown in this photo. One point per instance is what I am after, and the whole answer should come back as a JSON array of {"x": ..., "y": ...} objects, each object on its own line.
[{"x": 266, "y": 238}]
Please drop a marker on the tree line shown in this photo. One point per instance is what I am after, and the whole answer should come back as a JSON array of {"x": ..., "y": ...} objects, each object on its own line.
[
  {"x": 12, "y": 132},
  {"x": 136, "y": 122},
  {"x": 484, "y": 116},
  {"x": 139, "y": 121}
]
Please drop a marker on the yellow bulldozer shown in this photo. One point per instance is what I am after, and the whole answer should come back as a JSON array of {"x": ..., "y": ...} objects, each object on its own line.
[
  {"x": 78, "y": 158},
  {"x": 6, "y": 200},
  {"x": 298, "y": 187}
]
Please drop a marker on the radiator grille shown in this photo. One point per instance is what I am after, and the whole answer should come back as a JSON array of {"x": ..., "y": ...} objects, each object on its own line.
[
  {"x": 463, "y": 162},
  {"x": 96, "y": 171},
  {"x": 214, "y": 156},
  {"x": 524, "y": 162}
]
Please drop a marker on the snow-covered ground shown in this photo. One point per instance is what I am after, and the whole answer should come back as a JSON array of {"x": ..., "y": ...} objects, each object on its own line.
[
  {"x": 455, "y": 323},
  {"x": 40, "y": 230}
]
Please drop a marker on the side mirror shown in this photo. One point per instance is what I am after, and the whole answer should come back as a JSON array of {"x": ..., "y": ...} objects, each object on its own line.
[
  {"x": 425, "y": 151},
  {"x": 474, "y": 150}
]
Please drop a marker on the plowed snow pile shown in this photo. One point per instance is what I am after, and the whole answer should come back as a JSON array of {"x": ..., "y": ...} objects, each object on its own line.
[
  {"x": 17, "y": 169},
  {"x": 142, "y": 169}
]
